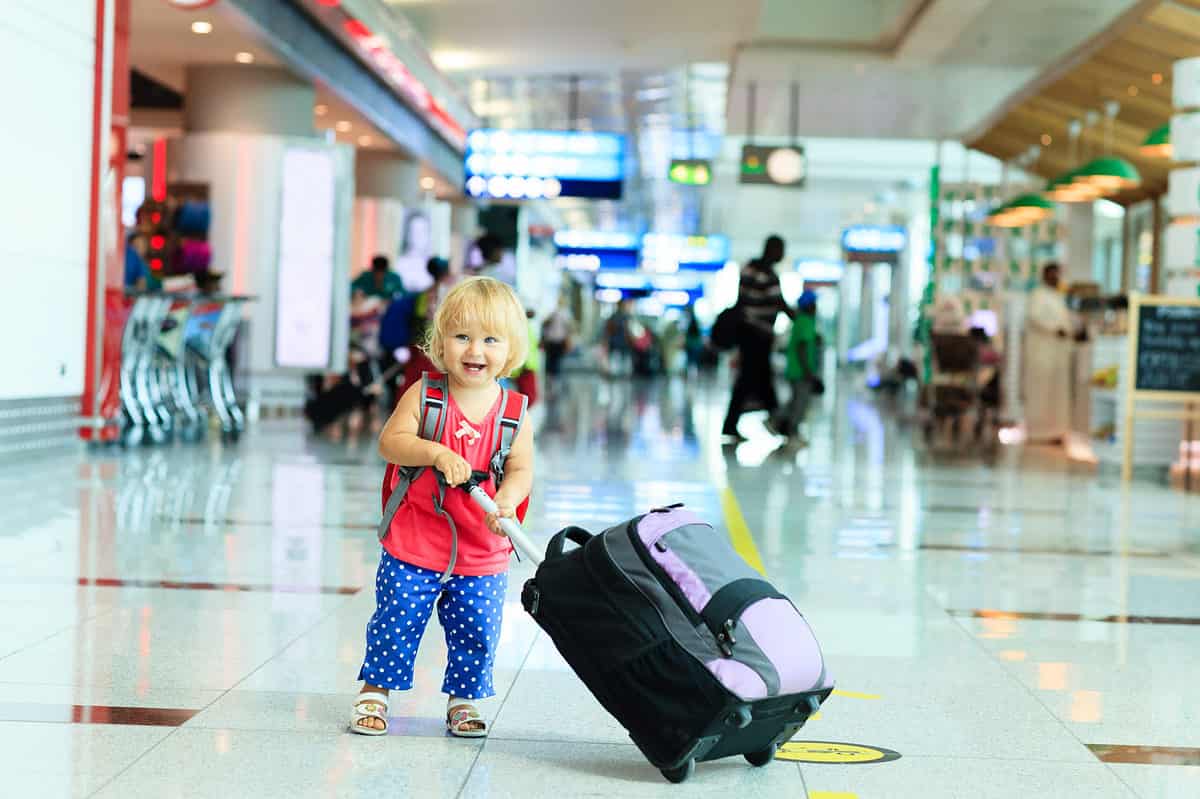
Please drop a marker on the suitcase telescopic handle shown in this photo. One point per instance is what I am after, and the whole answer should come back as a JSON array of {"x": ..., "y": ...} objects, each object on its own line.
[{"x": 510, "y": 526}]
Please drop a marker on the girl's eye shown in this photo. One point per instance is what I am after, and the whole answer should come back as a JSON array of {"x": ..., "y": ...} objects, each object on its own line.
[
  {"x": 491, "y": 340},
  {"x": 462, "y": 337}
]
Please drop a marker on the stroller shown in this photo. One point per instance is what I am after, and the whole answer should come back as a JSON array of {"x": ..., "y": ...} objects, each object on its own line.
[{"x": 954, "y": 391}]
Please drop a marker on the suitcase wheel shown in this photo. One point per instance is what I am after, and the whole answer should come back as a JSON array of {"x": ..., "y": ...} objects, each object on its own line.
[
  {"x": 762, "y": 757},
  {"x": 681, "y": 773},
  {"x": 740, "y": 718}
]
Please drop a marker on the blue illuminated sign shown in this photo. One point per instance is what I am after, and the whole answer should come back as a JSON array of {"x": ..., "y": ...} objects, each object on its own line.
[
  {"x": 666, "y": 253},
  {"x": 533, "y": 164},
  {"x": 872, "y": 238},
  {"x": 590, "y": 250}
]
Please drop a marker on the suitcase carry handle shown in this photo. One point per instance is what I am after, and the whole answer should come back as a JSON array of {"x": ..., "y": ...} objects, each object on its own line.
[
  {"x": 510, "y": 526},
  {"x": 576, "y": 534}
]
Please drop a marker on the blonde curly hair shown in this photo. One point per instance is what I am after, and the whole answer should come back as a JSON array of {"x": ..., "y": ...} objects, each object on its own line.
[{"x": 490, "y": 303}]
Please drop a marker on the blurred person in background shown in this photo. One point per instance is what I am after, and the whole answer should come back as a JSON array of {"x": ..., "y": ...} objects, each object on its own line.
[
  {"x": 617, "y": 338},
  {"x": 379, "y": 281},
  {"x": 1048, "y": 361},
  {"x": 693, "y": 342},
  {"x": 803, "y": 370},
  {"x": 557, "y": 330},
  {"x": 493, "y": 260},
  {"x": 760, "y": 300}
]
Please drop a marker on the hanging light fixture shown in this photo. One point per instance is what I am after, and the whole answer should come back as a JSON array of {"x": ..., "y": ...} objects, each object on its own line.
[
  {"x": 1024, "y": 209},
  {"x": 1109, "y": 173},
  {"x": 1065, "y": 188},
  {"x": 1158, "y": 143}
]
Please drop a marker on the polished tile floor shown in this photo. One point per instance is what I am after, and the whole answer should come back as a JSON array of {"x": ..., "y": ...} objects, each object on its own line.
[{"x": 188, "y": 621}]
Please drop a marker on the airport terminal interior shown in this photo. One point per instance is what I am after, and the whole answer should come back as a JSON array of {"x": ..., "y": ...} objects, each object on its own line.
[{"x": 855, "y": 345}]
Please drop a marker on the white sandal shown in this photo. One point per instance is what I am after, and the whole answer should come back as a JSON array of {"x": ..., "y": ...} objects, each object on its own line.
[
  {"x": 460, "y": 715},
  {"x": 370, "y": 705}
]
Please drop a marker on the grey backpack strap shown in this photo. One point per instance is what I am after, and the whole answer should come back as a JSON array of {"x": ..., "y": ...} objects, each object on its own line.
[
  {"x": 434, "y": 391},
  {"x": 439, "y": 499},
  {"x": 406, "y": 478},
  {"x": 508, "y": 426}
]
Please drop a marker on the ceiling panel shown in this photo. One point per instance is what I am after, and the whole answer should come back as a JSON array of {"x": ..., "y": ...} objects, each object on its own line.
[
  {"x": 983, "y": 56},
  {"x": 850, "y": 22},
  {"x": 1120, "y": 68}
]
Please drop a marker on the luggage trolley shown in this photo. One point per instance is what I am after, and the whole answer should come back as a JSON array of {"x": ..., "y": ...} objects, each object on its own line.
[
  {"x": 140, "y": 398},
  {"x": 211, "y": 327},
  {"x": 176, "y": 385}
]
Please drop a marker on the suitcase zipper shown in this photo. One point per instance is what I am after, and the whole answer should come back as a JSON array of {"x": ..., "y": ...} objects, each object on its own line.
[{"x": 660, "y": 573}]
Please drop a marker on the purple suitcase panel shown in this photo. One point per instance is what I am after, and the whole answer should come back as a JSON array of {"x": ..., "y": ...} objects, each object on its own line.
[
  {"x": 778, "y": 629},
  {"x": 741, "y": 680},
  {"x": 654, "y": 526},
  {"x": 788, "y": 642}
]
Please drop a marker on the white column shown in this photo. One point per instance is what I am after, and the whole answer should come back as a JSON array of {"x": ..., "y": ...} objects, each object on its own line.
[
  {"x": 464, "y": 228},
  {"x": 251, "y": 140},
  {"x": 1181, "y": 250},
  {"x": 1081, "y": 227},
  {"x": 47, "y": 53},
  {"x": 385, "y": 185}
]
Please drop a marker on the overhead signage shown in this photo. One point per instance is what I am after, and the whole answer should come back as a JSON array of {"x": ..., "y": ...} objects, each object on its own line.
[
  {"x": 874, "y": 239},
  {"x": 820, "y": 271},
  {"x": 670, "y": 298},
  {"x": 773, "y": 166},
  {"x": 641, "y": 280},
  {"x": 591, "y": 250},
  {"x": 690, "y": 171},
  {"x": 667, "y": 253},
  {"x": 595, "y": 240},
  {"x": 533, "y": 164}
]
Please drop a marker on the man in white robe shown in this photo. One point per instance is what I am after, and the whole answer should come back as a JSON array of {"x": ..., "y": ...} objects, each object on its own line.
[{"x": 1048, "y": 337}]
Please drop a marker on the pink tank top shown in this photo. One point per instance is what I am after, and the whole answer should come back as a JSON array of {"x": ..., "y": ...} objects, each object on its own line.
[{"x": 421, "y": 536}]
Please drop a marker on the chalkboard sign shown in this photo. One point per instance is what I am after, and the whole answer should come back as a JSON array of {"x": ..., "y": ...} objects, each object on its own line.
[{"x": 1168, "y": 348}]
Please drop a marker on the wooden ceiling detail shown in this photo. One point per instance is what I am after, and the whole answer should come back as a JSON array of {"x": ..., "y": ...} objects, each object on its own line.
[{"x": 1120, "y": 65}]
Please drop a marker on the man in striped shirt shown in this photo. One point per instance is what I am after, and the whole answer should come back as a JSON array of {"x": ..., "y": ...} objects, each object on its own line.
[{"x": 760, "y": 300}]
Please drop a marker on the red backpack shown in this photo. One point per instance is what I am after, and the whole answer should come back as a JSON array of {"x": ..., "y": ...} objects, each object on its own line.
[{"x": 397, "y": 479}]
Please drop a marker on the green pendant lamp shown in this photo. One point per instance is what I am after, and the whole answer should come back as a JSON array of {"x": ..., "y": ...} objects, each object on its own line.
[
  {"x": 1110, "y": 175},
  {"x": 1067, "y": 189},
  {"x": 1026, "y": 209},
  {"x": 1158, "y": 143}
]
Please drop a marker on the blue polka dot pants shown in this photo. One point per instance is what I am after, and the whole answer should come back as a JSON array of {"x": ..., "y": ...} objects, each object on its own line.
[{"x": 469, "y": 609}]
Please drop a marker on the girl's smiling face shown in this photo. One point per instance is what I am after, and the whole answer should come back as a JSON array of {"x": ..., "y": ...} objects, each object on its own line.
[{"x": 474, "y": 356}]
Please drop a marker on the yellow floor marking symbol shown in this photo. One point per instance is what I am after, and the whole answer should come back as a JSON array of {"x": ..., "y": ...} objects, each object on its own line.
[
  {"x": 833, "y": 752},
  {"x": 854, "y": 695},
  {"x": 831, "y": 795}
]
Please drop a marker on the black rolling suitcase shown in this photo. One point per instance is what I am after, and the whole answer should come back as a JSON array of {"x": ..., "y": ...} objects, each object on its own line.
[{"x": 684, "y": 643}]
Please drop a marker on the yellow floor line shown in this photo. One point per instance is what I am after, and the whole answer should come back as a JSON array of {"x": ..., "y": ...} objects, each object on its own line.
[
  {"x": 739, "y": 532},
  {"x": 743, "y": 543}
]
